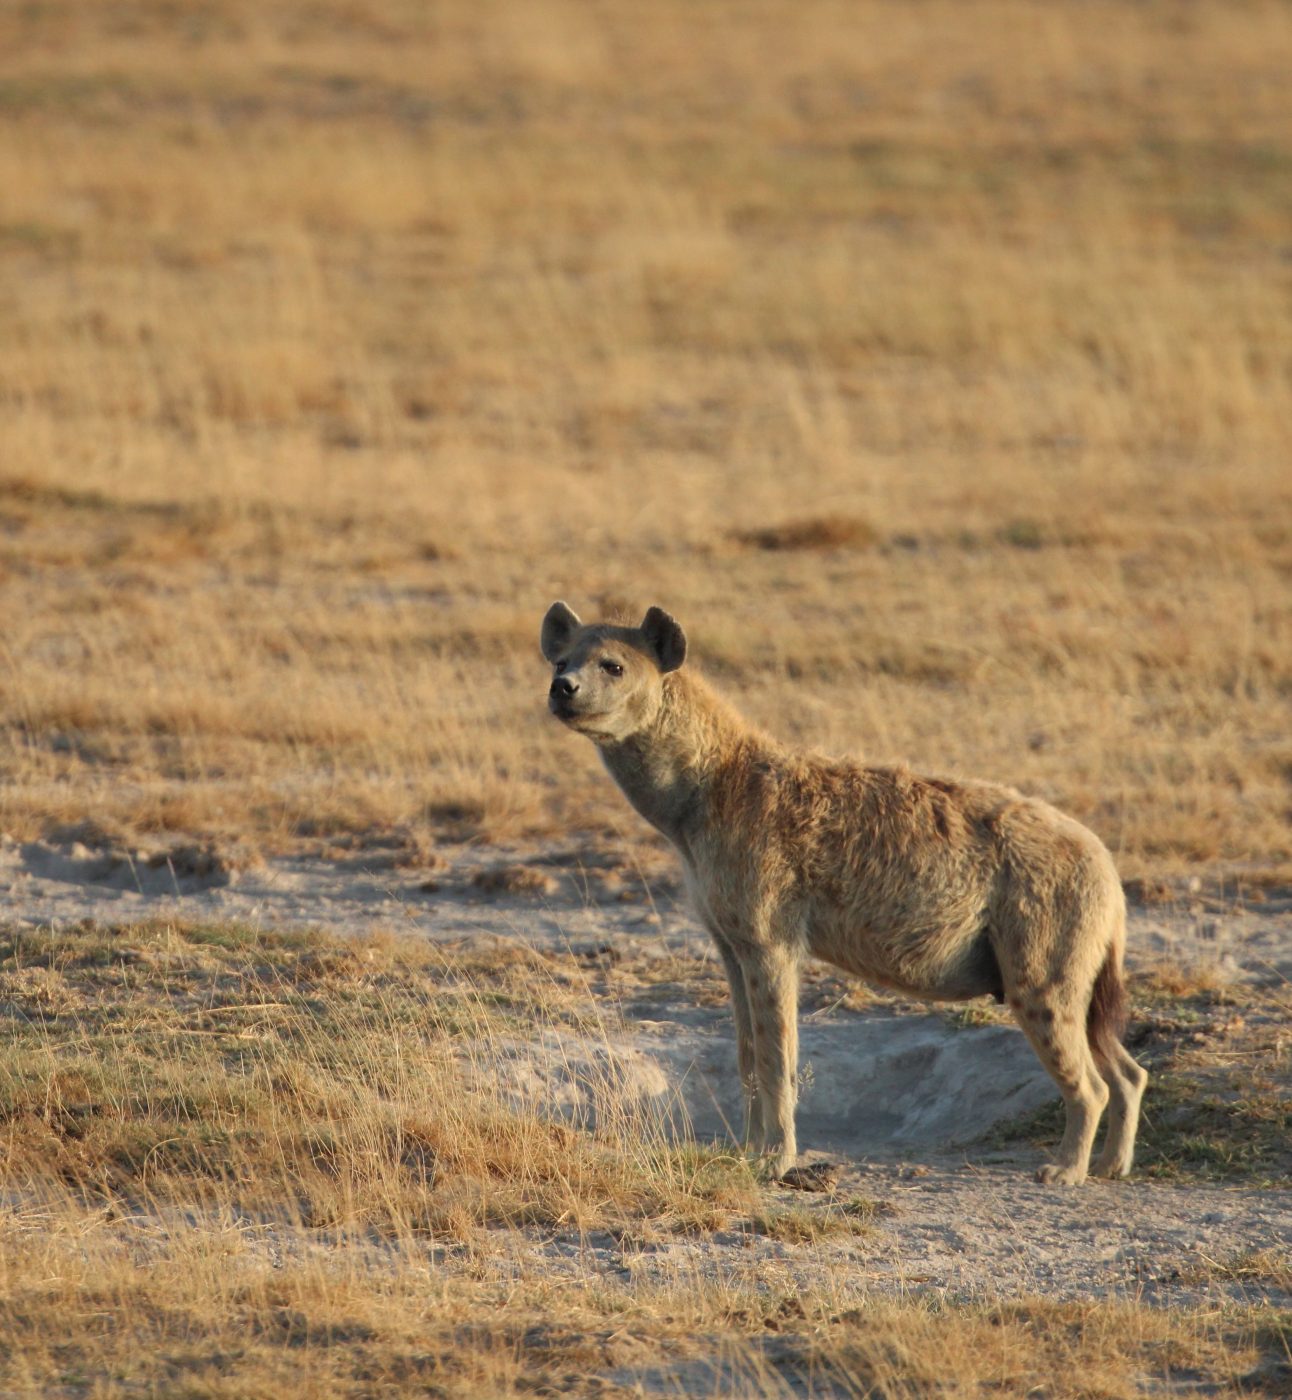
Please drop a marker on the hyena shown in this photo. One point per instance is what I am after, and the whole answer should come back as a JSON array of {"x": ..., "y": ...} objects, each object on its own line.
[{"x": 938, "y": 888}]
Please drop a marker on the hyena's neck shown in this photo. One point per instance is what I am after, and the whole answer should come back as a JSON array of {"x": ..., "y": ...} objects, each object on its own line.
[{"x": 668, "y": 769}]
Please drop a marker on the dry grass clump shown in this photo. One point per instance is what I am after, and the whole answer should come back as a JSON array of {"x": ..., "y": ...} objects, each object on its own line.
[
  {"x": 1199, "y": 983},
  {"x": 339, "y": 339},
  {"x": 817, "y": 532},
  {"x": 1266, "y": 1267},
  {"x": 514, "y": 879},
  {"x": 367, "y": 1085}
]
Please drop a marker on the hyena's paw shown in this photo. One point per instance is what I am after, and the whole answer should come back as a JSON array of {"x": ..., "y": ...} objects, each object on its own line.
[
  {"x": 1113, "y": 1167},
  {"x": 1054, "y": 1175},
  {"x": 771, "y": 1167}
]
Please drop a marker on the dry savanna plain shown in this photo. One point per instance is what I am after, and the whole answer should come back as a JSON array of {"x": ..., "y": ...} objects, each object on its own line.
[{"x": 932, "y": 363}]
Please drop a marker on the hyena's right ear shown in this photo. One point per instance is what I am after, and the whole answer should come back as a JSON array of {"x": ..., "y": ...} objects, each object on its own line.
[
  {"x": 558, "y": 625},
  {"x": 665, "y": 638}
]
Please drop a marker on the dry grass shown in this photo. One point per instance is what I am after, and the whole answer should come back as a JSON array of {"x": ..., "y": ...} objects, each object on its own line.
[
  {"x": 340, "y": 338},
  {"x": 100, "y": 1323},
  {"x": 238, "y": 1163},
  {"x": 189, "y": 1320},
  {"x": 371, "y": 1086}
]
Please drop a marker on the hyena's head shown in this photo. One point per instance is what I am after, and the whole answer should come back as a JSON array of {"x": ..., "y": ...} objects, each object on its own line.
[{"x": 608, "y": 680}]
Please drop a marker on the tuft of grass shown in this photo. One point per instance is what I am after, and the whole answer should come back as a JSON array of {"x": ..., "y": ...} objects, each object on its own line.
[
  {"x": 1238, "y": 1133},
  {"x": 1193, "y": 986},
  {"x": 1259, "y": 1268},
  {"x": 1022, "y": 534},
  {"x": 513, "y": 879},
  {"x": 802, "y": 1224},
  {"x": 977, "y": 1013},
  {"x": 1146, "y": 891}
]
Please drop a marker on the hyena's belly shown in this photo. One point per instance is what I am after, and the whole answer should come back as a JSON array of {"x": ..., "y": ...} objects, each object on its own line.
[{"x": 945, "y": 964}]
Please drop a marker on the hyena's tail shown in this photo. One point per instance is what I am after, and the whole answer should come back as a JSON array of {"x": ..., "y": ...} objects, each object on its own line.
[{"x": 1108, "y": 1012}]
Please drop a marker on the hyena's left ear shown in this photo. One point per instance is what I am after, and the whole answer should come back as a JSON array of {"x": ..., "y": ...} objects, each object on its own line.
[
  {"x": 665, "y": 638},
  {"x": 558, "y": 625}
]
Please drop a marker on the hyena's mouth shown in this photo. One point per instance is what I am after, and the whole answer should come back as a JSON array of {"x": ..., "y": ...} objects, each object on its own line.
[
  {"x": 564, "y": 711},
  {"x": 583, "y": 721}
]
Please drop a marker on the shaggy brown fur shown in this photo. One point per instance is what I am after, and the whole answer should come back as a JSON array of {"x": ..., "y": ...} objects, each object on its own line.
[{"x": 936, "y": 888}]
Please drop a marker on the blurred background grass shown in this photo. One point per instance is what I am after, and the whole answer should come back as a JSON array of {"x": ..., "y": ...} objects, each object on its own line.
[{"x": 932, "y": 362}]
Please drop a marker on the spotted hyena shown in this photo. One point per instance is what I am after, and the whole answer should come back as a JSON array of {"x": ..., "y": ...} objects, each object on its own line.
[{"x": 938, "y": 888}]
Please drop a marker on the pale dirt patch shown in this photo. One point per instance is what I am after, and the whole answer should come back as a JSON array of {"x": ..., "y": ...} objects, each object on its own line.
[
  {"x": 964, "y": 1231},
  {"x": 558, "y": 894}
]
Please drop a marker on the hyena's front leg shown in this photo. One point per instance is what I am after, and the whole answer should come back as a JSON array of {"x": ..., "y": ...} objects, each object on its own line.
[
  {"x": 744, "y": 1044},
  {"x": 772, "y": 986}
]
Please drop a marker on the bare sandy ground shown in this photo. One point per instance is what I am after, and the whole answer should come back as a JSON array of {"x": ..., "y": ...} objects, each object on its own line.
[
  {"x": 899, "y": 1100},
  {"x": 557, "y": 895}
]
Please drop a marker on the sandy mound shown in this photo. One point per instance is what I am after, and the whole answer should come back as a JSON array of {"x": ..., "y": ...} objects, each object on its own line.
[{"x": 873, "y": 1085}]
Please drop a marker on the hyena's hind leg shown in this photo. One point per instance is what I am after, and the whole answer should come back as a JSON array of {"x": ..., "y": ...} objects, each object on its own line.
[
  {"x": 1126, "y": 1078},
  {"x": 1055, "y": 1028}
]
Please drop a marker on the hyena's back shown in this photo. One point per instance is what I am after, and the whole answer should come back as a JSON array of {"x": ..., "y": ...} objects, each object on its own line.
[{"x": 941, "y": 888}]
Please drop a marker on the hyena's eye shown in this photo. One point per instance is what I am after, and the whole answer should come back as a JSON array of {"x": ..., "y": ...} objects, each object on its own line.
[
  {"x": 560, "y": 666},
  {"x": 612, "y": 668}
]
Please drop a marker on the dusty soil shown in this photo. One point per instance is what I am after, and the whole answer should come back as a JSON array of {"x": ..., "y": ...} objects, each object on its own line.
[
  {"x": 902, "y": 1097},
  {"x": 558, "y": 895}
]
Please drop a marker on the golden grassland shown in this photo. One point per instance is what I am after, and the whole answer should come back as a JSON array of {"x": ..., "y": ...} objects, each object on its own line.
[
  {"x": 248, "y": 1163},
  {"x": 931, "y": 362}
]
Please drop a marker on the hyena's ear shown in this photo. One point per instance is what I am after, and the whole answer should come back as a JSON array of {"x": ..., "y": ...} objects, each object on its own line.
[
  {"x": 665, "y": 638},
  {"x": 559, "y": 623}
]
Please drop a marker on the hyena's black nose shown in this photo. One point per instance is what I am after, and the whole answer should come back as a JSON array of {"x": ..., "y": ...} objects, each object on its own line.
[{"x": 563, "y": 688}]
